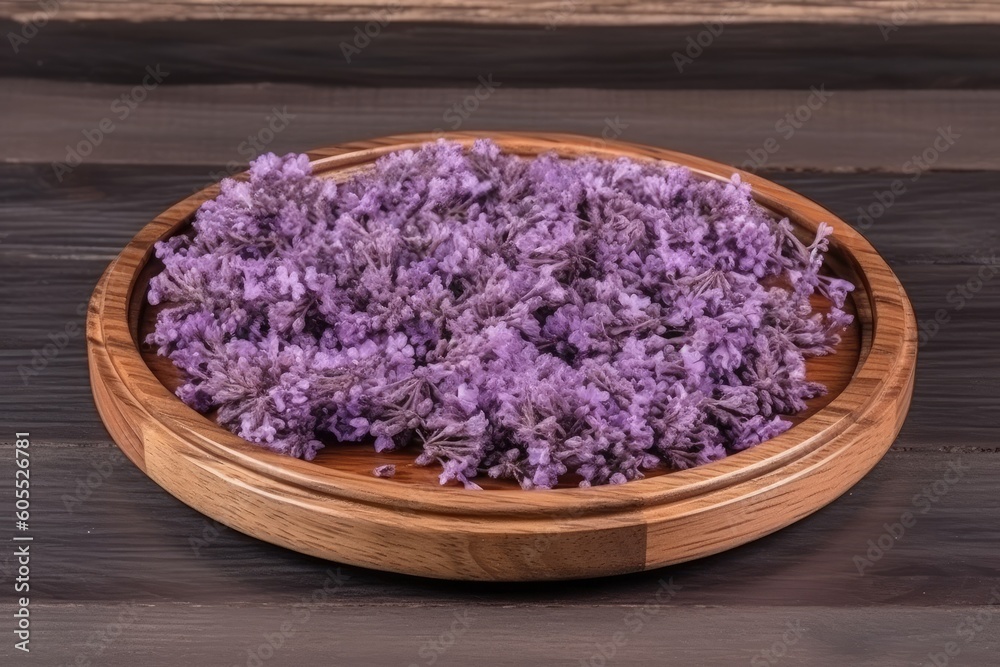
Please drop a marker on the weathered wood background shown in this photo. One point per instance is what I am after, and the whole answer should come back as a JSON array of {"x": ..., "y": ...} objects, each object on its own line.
[
  {"x": 522, "y": 12},
  {"x": 122, "y": 574}
]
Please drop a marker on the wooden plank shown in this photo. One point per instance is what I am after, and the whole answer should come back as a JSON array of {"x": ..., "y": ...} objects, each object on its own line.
[
  {"x": 105, "y": 533},
  {"x": 98, "y": 207},
  {"x": 577, "y": 12},
  {"x": 546, "y": 50},
  {"x": 461, "y": 634},
  {"x": 43, "y": 121},
  {"x": 59, "y": 239}
]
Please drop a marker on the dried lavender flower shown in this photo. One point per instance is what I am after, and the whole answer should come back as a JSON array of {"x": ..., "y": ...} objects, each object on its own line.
[
  {"x": 522, "y": 319},
  {"x": 388, "y": 470}
]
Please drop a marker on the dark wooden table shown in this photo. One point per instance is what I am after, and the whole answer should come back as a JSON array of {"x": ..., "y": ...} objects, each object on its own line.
[{"x": 123, "y": 574}]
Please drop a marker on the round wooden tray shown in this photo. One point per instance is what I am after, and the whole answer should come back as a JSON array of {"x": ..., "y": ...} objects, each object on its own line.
[{"x": 334, "y": 508}]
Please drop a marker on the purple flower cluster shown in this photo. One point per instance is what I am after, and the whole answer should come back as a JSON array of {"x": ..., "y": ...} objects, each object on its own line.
[{"x": 524, "y": 319}]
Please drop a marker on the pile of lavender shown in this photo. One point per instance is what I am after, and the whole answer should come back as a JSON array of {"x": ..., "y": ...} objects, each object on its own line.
[{"x": 522, "y": 319}]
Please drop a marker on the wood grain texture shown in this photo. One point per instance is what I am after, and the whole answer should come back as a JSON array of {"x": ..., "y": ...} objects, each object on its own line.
[
  {"x": 663, "y": 634},
  {"x": 406, "y": 54},
  {"x": 346, "y": 515},
  {"x": 60, "y": 237},
  {"x": 41, "y": 119},
  {"x": 100, "y": 555},
  {"x": 129, "y": 541},
  {"x": 102, "y": 540},
  {"x": 538, "y": 12},
  {"x": 95, "y": 210}
]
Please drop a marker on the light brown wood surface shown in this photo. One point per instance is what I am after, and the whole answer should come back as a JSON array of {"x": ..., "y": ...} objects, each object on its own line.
[
  {"x": 534, "y": 12},
  {"x": 335, "y": 509}
]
